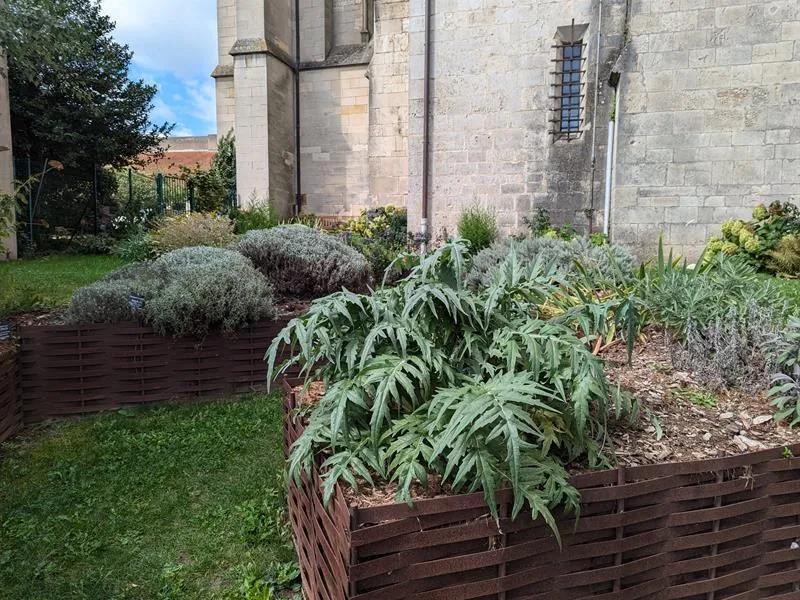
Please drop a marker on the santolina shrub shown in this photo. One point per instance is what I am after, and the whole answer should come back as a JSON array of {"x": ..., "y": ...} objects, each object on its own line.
[
  {"x": 186, "y": 292},
  {"x": 208, "y": 287},
  {"x": 192, "y": 229},
  {"x": 562, "y": 255},
  {"x": 302, "y": 261}
]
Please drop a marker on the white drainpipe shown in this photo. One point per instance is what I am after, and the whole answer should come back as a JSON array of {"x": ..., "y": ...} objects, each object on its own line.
[{"x": 610, "y": 156}]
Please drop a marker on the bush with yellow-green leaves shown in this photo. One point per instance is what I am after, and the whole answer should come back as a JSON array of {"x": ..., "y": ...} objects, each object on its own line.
[{"x": 769, "y": 241}]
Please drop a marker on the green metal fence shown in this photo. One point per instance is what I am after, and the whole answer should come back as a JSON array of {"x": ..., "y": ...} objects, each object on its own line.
[{"x": 159, "y": 194}]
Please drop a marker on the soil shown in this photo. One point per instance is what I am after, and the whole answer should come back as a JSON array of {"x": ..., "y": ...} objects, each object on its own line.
[
  {"x": 739, "y": 421},
  {"x": 725, "y": 423},
  {"x": 37, "y": 317}
]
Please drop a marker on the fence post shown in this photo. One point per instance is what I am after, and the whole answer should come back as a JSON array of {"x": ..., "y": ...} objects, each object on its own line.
[
  {"x": 30, "y": 205},
  {"x": 160, "y": 192},
  {"x": 96, "y": 193},
  {"x": 130, "y": 187},
  {"x": 190, "y": 187}
]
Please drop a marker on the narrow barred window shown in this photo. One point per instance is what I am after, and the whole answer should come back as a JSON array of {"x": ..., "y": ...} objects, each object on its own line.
[
  {"x": 568, "y": 88},
  {"x": 570, "y": 103}
]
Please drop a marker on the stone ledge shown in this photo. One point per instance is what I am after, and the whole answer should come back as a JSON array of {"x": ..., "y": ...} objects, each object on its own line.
[
  {"x": 262, "y": 46},
  {"x": 222, "y": 71},
  {"x": 342, "y": 56}
]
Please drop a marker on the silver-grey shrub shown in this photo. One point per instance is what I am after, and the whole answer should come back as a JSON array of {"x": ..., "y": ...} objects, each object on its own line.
[
  {"x": 101, "y": 302},
  {"x": 301, "y": 261},
  {"x": 203, "y": 296},
  {"x": 186, "y": 292},
  {"x": 607, "y": 260}
]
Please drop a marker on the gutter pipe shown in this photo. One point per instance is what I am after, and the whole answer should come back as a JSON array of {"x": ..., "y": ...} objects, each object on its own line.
[
  {"x": 594, "y": 116},
  {"x": 426, "y": 100},
  {"x": 296, "y": 68}
]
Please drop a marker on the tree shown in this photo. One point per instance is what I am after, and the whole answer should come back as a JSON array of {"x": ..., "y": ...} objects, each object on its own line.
[{"x": 71, "y": 95}]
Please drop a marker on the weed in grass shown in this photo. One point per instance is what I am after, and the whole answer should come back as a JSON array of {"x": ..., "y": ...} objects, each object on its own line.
[
  {"x": 698, "y": 398},
  {"x": 703, "y": 399}
]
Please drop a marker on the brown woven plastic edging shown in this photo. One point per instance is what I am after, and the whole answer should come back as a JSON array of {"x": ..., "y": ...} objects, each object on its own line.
[
  {"x": 77, "y": 370},
  {"x": 708, "y": 530},
  {"x": 10, "y": 400}
]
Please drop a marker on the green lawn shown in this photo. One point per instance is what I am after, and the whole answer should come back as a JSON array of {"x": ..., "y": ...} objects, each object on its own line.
[
  {"x": 48, "y": 282},
  {"x": 157, "y": 503}
]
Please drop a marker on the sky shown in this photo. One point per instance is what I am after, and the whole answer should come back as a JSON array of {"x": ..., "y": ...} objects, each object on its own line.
[{"x": 174, "y": 44}]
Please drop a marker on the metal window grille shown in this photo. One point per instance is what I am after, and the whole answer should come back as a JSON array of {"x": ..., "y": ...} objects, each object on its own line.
[{"x": 568, "y": 90}]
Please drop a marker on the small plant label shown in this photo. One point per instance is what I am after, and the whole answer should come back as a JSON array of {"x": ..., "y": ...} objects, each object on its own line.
[
  {"x": 136, "y": 302},
  {"x": 5, "y": 331}
]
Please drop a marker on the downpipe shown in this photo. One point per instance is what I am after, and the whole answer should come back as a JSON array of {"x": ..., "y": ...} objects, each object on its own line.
[
  {"x": 609, "y": 171},
  {"x": 610, "y": 155},
  {"x": 426, "y": 101}
]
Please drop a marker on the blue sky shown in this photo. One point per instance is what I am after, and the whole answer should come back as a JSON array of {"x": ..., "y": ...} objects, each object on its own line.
[{"x": 174, "y": 44}]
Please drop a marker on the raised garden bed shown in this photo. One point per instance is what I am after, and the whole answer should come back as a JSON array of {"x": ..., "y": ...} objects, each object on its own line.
[
  {"x": 10, "y": 401},
  {"x": 64, "y": 370},
  {"x": 709, "y": 529}
]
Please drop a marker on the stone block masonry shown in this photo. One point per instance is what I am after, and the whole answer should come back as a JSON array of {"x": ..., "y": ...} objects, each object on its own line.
[
  {"x": 334, "y": 140},
  {"x": 492, "y": 110},
  {"x": 716, "y": 84},
  {"x": 707, "y": 125}
]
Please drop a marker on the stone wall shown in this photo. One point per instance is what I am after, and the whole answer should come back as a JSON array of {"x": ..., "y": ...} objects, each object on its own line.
[
  {"x": 491, "y": 110},
  {"x": 334, "y": 132},
  {"x": 280, "y": 82},
  {"x": 346, "y": 22},
  {"x": 316, "y": 29},
  {"x": 388, "y": 105},
  {"x": 709, "y": 120},
  {"x": 708, "y": 123},
  {"x": 223, "y": 73}
]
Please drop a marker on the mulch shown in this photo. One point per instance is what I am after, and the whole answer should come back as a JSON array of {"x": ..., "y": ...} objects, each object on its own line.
[{"x": 741, "y": 420}]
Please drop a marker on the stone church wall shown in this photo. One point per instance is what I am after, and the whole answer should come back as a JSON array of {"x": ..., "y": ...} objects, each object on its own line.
[
  {"x": 334, "y": 138},
  {"x": 492, "y": 83},
  {"x": 710, "y": 118}
]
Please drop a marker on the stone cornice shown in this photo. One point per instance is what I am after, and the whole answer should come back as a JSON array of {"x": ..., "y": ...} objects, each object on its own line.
[
  {"x": 222, "y": 71},
  {"x": 342, "y": 56},
  {"x": 262, "y": 46}
]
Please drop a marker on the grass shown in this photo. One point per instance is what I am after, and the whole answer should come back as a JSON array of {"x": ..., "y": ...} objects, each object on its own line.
[
  {"x": 151, "y": 503},
  {"x": 48, "y": 282}
]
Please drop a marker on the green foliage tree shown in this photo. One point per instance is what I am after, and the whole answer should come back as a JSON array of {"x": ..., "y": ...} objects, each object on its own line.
[{"x": 71, "y": 95}]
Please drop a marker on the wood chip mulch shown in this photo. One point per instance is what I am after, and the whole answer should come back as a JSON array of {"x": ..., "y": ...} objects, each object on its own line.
[{"x": 739, "y": 422}]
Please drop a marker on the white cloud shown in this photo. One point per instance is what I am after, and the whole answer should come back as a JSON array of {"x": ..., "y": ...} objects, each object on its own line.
[
  {"x": 172, "y": 36},
  {"x": 162, "y": 112},
  {"x": 174, "y": 44},
  {"x": 181, "y": 132},
  {"x": 203, "y": 101}
]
